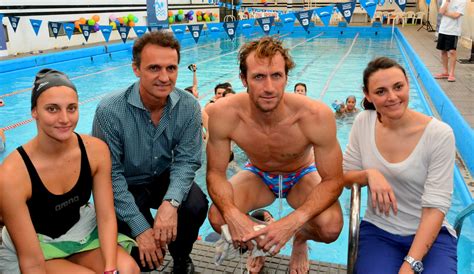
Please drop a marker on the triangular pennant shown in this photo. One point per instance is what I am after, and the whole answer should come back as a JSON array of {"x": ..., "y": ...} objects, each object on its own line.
[
  {"x": 403, "y": 3},
  {"x": 247, "y": 26},
  {"x": 346, "y": 9},
  {"x": 304, "y": 17},
  {"x": 140, "y": 30},
  {"x": 288, "y": 21},
  {"x": 14, "y": 20},
  {"x": 55, "y": 27},
  {"x": 36, "y": 24},
  {"x": 86, "y": 31},
  {"x": 230, "y": 28},
  {"x": 178, "y": 31},
  {"x": 106, "y": 31},
  {"x": 325, "y": 14},
  {"x": 214, "y": 29},
  {"x": 370, "y": 6},
  {"x": 123, "y": 31},
  {"x": 69, "y": 29},
  {"x": 195, "y": 31},
  {"x": 382, "y": 2},
  {"x": 266, "y": 23}
]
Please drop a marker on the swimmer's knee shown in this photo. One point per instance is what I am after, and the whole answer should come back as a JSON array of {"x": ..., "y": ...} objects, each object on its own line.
[
  {"x": 331, "y": 231},
  {"x": 126, "y": 263}
]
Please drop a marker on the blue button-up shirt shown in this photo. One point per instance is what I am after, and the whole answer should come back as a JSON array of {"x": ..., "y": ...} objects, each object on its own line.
[{"x": 140, "y": 150}]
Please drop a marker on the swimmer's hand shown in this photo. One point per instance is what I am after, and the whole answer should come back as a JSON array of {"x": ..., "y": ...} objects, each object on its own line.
[
  {"x": 239, "y": 225},
  {"x": 275, "y": 235}
]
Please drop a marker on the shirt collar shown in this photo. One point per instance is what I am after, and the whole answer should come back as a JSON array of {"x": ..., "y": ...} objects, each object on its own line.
[{"x": 135, "y": 100}]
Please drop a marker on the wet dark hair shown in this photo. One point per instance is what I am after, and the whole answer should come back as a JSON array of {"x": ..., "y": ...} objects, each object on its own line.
[
  {"x": 227, "y": 91},
  {"x": 266, "y": 47},
  {"x": 159, "y": 38},
  {"x": 224, "y": 86},
  {"x": 372, "y": 67},
  {"x": 301, "y": 84}
]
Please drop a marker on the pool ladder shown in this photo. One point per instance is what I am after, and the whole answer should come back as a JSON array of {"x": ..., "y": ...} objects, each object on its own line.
[{"x": 354, "y": 222}]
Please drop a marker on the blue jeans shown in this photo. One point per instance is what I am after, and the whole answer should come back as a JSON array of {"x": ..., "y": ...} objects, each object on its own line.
[{"x": 383, "y": 252}]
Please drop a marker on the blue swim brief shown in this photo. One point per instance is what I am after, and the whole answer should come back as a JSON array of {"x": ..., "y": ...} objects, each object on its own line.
[{"x": 288, "y": 180}]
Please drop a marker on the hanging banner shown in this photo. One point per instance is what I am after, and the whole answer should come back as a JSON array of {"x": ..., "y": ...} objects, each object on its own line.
[
  {"x": 3, "y": 39},
  {"x": 214, "y": 29},
  {"x": 247, "y": 26},
  {"x": 346, "y": 9},
  {"x": 266, "y": 23},
  {"x": 36, "y": 24},
  {"x": 123, "y": 31},
  {"x": 288, "y": 21},
  {"x": 403, "y": 3},
  {"x": 157, "y": 14},
  {"x": 195, "y": 31},
  {"x": 325, "y": 14},
  {"x": 179, "y": 31},
  {"x": 139, "y": 30},
  {"x": 86, "y": 31},
  {"x": 69, "y": 29},
  {"x": 106, "y": 31},
  {"x": 370, "y": 6},
  {"x": 55, "y": 27},
  {"x": 382, "y": 2},
  {"x": 304, "y": 17},
  {"x": 230, "y": 27},
  {"x": 14, "y": 20}
]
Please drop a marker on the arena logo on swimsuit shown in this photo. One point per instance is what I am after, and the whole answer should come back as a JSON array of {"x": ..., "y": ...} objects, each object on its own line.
[{"x": 66, "y": 203}]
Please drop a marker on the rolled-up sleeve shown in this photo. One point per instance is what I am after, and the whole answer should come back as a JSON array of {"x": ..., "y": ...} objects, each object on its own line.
[
  {"x": 186, "y": 157},
  {"x": 125, "y": 206},
  {"x": 439, "y": 181}
]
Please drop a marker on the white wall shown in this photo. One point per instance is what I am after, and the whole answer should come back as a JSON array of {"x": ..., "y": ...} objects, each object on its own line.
[{"x": 24, "y": 39}]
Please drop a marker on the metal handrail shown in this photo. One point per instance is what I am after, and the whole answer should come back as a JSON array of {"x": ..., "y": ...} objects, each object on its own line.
[
  {"x": 461, "y": 216},
  {"x": 229, "y": 16},
  {"x": 354, "y": 222}
]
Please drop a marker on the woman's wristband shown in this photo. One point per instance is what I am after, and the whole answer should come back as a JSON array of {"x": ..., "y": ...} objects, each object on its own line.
[{"x": 115, "y": 271}]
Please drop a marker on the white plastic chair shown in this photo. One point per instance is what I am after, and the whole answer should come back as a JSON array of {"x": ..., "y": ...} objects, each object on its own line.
[
  {"x": 419, "y": 17},
  {"x": 409, "y": 15},
  {"x": 378, "y": 15}
]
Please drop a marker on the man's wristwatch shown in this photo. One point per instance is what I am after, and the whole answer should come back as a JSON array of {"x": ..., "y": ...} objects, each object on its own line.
[
  {"x": 415, "y": 265},
  {"x": 173, "y": 202}
]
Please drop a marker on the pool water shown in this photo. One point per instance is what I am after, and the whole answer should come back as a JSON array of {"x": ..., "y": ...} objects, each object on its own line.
[{"x": 330, "y": 66}]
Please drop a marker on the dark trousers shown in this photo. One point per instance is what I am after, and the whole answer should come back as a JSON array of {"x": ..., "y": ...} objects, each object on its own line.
[{"x": 191, "y": 213}]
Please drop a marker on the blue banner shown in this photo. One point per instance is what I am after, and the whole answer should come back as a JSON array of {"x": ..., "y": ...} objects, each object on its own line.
[
  {"x": 288, "y": 21},
  {"x": 195, "y": 31},
  {"x": 3, "y": 40},
  {"x": 214, "y": 29},
  {"x": 247, "y": 26},
  {"x": 154, "y": 28},
  {"x": 140, "y": 30},
  {"x": 36, "y": 24},
  {"x": 69, "y": 29},
  {"x": 325, "y": 14},
  {"x": 14, "y": 21},
  {"x": 86, "y": 31},
  {"x": 178, "y": 31},
  {"x": 55, "y": 27},
  {"x": 123, "y": 31},
  {"x": 230, "y": 28},
  {"x": 266, "y": 23},
  {"x": 346, "y": 9},
  {"x": 157, "y": 14},
  {"x": 304, "y": 17},
  {"x": 403, "y": 3},
  {"x": 370, "y": 6},
  {"x": 106, "y": 31}
]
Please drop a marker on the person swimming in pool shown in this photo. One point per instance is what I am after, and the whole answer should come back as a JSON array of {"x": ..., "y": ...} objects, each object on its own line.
[
  {"x": 351, "y": 105},
  {"x": 45, "y": 185},
  {"x": 278, "y": 131}
]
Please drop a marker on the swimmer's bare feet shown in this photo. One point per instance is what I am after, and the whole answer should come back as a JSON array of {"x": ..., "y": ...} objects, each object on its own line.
[
  {"x": 255, "y": 264},
  {"x": 299, "y": 262}
]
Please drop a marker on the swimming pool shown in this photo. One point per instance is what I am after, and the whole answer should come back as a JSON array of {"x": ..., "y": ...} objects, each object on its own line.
[{"x": 330, "y": 63}]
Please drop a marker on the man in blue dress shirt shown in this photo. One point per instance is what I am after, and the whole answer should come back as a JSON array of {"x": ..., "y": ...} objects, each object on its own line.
[{"x": 154, "y": 134}]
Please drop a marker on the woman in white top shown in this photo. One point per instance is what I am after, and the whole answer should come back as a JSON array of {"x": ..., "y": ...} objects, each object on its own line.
[{"x": 406, "y": 159}]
